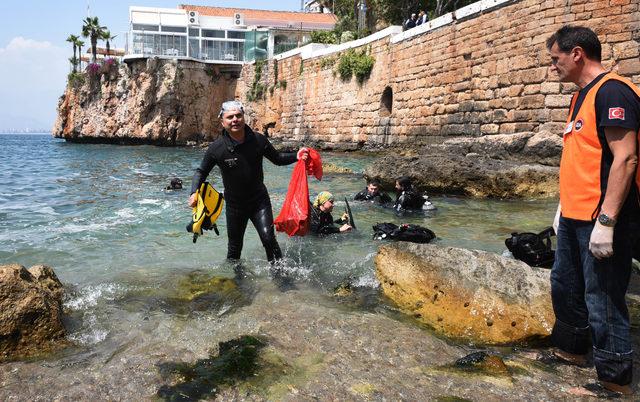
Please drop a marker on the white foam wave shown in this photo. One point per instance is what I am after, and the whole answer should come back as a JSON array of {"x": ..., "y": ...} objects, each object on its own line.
[
  {"x": 149, "y": 201},
  {"x": 125, "y": 213},
  {"x": 48, "y": 211},
  {"x": 91, "y": 333},
  {"x": 89, "y": 296},
  {"x": 75, "y": 228}
]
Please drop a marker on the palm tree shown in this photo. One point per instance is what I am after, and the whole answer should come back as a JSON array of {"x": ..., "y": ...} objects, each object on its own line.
[
  {"x": 80, "y": 43},
  {"x": 92, "y": 29},
  {"x": 106, "y": 36},
  {"x": 73, "y": 39}
]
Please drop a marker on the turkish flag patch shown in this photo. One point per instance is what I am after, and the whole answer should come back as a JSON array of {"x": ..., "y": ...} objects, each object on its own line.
[{"x": 616, "y": 113}]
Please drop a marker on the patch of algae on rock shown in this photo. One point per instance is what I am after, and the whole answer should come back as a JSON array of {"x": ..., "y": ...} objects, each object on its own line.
[
  {"x": 331, "y": 168},
  {"x": 195, "y": 291},
  {"x": 364, "y": 389},
  {"x": 277, "y": 378},
  {"x": 237, "y": 360},
  {"x": 197, "y": 283}
]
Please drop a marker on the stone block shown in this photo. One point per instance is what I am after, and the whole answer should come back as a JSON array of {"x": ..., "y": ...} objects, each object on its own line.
[
  {"x": 531, "y": 89},
  {"x": 532, "y": 101},
  {"x": 557, "y": 101},
  {"x": 550, "y": 87},
  {"x": 489, "y": 128},
  {"x": 628, "y": 67}
]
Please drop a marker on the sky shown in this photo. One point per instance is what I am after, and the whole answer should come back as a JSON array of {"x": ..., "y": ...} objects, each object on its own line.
[{"x": 34, "y": 54}]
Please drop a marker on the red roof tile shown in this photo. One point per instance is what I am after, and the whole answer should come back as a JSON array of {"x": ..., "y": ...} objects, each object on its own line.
[{"x": 266, "y": 17}]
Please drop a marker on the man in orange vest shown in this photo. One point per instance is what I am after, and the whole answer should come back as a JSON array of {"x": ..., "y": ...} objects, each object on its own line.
[{"x": 599, "y": 210}]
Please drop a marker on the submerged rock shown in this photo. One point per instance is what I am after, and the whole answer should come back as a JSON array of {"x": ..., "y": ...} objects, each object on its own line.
[
  {"x": 482, "y": 362},
  {"x": 467, "y": 294},
  {"x": 30, "y": 311}
]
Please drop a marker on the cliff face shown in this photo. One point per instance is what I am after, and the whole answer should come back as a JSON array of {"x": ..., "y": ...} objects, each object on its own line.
[{"x": 161, "y": 102}]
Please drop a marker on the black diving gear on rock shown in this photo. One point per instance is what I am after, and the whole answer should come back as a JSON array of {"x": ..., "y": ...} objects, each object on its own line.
[
  {"x": 535, "y": 249},
  {"x": 404, "y": 232},
  {"x": 245, "y": 194}
]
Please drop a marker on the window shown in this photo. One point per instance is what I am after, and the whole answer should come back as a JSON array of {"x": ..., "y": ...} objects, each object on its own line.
[
  {"x": 194, "y": 32},
  {"x": 235, "y": 34},
  {"x": 194, "y": 48},
  {"x": 210, "y": 33},
  {"x": 145, "y": 27},
  {"x": 174, "y": 29}
]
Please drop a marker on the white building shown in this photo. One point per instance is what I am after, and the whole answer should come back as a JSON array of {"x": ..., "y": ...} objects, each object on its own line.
[{"x": 217, "y": 34}]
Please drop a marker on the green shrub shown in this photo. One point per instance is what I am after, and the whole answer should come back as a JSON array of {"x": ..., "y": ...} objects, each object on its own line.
[
  {"x": 355, "y": 63},
  {"x": 258, "y": 89},
  {"x": 327, "y": 62},
  {"x": 75, "y": 79},
  {"x": 326, "y": 37}
]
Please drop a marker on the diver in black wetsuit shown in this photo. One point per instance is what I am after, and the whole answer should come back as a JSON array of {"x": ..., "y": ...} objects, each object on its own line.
[
  {"x": 239, "y": 152},
  {"x": 407, "y": 198},
  {"x": 322, "y": 222},
  {"x": 372, "y": 193}
]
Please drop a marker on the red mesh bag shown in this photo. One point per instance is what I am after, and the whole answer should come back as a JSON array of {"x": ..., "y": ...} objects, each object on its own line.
[{"x": 294, "y": 215}]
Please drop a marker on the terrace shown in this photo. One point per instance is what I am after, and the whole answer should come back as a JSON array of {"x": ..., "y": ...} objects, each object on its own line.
[{"x": 218, "y": 35}]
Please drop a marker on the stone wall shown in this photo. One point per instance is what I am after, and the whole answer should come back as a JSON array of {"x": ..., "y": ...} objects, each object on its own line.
[{"x": 484, "y": 75}]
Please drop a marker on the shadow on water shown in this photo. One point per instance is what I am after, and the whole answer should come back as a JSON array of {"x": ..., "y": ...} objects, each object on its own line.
[{"x": 237, "y": 360}]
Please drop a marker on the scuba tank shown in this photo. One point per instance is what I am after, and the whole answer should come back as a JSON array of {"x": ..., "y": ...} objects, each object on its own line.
[{"x": 206, "y": 212}]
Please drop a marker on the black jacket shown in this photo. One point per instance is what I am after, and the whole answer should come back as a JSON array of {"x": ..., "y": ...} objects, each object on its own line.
[
  {"x": 380, "y": 197},
  {"x": 240, "y": 165}
]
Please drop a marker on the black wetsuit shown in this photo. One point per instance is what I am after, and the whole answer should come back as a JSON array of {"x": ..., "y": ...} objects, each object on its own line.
[
  {"x": 409, "y": 200},
  {"x": 244, "y": 191},
  {"x": 379, "y": 197},
  {"x": 322, "y": 222}
]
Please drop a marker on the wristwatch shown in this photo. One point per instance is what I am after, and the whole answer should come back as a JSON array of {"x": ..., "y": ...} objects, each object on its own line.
[{"x": 606, "y": 220}]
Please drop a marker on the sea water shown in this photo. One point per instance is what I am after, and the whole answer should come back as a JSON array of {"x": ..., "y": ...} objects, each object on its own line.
[{"x": 101, "y": 217}]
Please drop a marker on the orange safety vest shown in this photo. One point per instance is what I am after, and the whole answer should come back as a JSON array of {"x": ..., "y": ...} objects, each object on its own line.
[{"x": 580, "y": 175}]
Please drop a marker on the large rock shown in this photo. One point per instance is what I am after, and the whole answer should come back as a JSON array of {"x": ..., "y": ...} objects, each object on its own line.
[
  {"x": 470, "y": 295},
  {"x": 542, "y": 147},
  {"x": 471, "y": 175},
  {"x": 30, "y": 311},
  {"x": 152, "y": 101}
]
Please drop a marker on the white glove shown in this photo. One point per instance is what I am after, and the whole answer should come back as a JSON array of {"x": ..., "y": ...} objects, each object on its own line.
[
  {"x": 556, "y": 220},
  {"x": 601, "y": 241}
]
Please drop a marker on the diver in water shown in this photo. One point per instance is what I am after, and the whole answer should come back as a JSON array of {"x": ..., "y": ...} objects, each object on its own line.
[
  {"x": 175, "y": 184},
  {"x": 239, "y": 151},
  {"x": 408, "y": 199},
  {"x": 321, "y": 220},
  {"x": 372, "y": 193}
]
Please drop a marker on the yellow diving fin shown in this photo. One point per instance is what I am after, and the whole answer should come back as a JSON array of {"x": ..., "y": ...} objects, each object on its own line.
[{"x": 206, "y": 212}]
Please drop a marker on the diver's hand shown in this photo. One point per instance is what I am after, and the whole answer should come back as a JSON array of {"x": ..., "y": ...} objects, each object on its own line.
[
  {"x": 193, "y": 200},
  {"x": 346, "y": 227},
  {"x": 601, "y": 241},
  {"x": 345, "y": 217},
  {"x": 303, "y": 153},
  {"x": 556, "y": 220}
]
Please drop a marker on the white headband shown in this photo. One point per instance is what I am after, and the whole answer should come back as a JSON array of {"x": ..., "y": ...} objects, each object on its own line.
[{"x": 229, "y": 106}]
